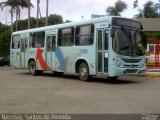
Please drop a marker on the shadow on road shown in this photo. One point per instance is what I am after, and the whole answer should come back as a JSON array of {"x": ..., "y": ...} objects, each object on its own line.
[{"x": 120, "y": 80}]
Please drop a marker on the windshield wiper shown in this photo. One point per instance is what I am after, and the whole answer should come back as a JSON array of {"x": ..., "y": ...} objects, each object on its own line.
[{"x": 125, "y": 32}]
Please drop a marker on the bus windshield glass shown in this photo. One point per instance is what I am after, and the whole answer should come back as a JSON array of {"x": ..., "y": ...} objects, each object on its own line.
[{"x": 127, "y": 38}]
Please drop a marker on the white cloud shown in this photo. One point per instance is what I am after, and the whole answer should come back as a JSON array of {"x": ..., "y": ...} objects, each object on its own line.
[{"x": 75, "y": 9}]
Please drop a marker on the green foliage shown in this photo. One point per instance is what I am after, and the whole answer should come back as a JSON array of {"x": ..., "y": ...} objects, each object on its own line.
[
  {"x": 115, "y": 10},
  {"x": 148, "y": 11},
  {"x": 5, "y": 36},
  {"x": 16, "y": 5},
  {"x": 144, "y": 41},
  {"x": 152, "y": 35},
  {"x": 55, "y": 19},
  {"x": 52, "y": 20},
  {"x": 5, "y": 33},
  {"x": 3, "y": 28},
  {"x": 155, "y": 35}
]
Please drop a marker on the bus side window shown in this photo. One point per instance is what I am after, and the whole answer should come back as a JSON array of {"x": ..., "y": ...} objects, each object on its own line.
[
  {"x": 106, "y": 40},
  {"x": 59, "y": 37},
  {"x": 34, "y": 38},
  {"x": 54, "y": 42},
  {"x": 30, "y": 40},
  {"x": 22, "y": 44},
  {"x": 16, "y": 42},
  {"x": 84, "y": 35},
  {"x": 49, "y": 43},
  {"x": 100, "y": 40},
  {"x": 66, "y": 37},
  {"x": 83, "y": 40},
  {"x": 38, "y": 39}
]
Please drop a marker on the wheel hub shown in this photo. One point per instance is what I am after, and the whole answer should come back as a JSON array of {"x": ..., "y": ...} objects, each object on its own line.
[
  {"x": 33, "y": 68},
  {"x": 83, "y": 72}
]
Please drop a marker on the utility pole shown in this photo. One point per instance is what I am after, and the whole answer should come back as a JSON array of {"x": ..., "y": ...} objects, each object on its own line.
[
  {"x": 11, "y": 19},
  {"x": 29, "y": 10},
  {"x": 46, "y": 23},
  {"x": 6, "y": 15},
  {"x": 37, "y": 21}
]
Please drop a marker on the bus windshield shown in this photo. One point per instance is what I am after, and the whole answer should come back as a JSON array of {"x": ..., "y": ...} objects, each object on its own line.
[{"x": 128, "y": 42}]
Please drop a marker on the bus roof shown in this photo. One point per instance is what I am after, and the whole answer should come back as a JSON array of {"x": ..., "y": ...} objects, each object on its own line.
[{"x": 70, "y": 24}]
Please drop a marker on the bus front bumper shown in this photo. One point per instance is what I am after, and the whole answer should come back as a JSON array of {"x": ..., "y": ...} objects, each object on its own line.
[{"x": 117, "y": 71}]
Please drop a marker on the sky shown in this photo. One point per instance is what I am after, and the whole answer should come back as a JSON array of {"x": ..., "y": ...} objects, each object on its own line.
[{"x": 74, "y": 9}]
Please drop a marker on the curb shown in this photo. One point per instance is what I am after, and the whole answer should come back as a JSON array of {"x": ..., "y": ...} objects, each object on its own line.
[{"x": 152, "y": 75}]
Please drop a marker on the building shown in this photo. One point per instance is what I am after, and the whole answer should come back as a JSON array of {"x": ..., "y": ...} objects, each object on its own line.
[
  {"x": 153, "y": 49},
  {"x": 150, "y": 24}
]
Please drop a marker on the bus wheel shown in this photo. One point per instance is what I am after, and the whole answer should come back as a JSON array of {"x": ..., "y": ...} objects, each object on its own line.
[
  {"x": 84, "y": 72},
  {"x": 32, "y": 68},
  {"x": 39, "y": 72}
]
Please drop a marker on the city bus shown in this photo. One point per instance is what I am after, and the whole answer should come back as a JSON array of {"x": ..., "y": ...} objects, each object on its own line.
[{"x": 107, "y": 46}]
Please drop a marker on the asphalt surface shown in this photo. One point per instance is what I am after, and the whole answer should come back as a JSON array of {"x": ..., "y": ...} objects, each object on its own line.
[{"x": 22, "y": 93}]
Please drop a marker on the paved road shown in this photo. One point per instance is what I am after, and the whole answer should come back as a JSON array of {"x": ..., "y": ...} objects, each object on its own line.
[{"x": 23, "y": 93}]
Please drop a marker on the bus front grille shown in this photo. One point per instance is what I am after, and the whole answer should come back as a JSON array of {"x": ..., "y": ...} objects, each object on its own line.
[
  {"x": 131, "y": 66},
  {"x": 131, "y": 60},
  {"x": 131, "y": 70}
]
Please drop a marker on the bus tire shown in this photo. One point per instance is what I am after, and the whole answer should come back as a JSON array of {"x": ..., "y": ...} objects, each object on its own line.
[
  {"x": 39, "y": 72},
  {"x": 32, "y": 68},
  {"x": 84, "y": 72}
]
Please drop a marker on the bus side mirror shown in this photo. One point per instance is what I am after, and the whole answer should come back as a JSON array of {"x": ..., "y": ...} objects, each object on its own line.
[{"x": 112, "y": 33}]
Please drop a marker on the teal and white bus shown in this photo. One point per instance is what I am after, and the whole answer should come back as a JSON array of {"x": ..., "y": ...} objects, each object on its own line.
[{"x": 107, "y": 46}]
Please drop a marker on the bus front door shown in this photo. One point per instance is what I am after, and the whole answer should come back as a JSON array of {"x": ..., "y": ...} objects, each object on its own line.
[
  {"x": 50, "y": 48},
  {"x": 23, "y": 56},
  {"x": 102, "y": 51}
]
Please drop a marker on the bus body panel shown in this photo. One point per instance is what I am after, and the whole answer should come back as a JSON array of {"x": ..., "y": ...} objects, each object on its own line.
[
  {"x": 99, "y": 56},
  {"x": 66, "y": 57},
  {"x": 39, "y": 56},
  {"x": 15, "y": 58}
]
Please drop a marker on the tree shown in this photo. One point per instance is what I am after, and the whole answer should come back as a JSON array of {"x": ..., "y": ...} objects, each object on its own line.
[
  {"x": 29, "y": 5},
  {"x": 22, "y": 4},
  {"x": 148, "y": 11},
  {"x": 115, "y": 10},
  {"x": 5, "y": 4},
  {"x": 55, "y": 19},
  {"x": 15, "y": 5},
  {"x": 5, "y": 36}
]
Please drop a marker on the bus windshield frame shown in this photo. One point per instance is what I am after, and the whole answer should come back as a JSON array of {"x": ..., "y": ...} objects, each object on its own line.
[{"x": 127, "y": 36}]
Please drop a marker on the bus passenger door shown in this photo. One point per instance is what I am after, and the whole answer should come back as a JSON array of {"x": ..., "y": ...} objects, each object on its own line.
[
  {"x": 15, "y": 51},
  {"x": 102, "y": 51},
  {"x": 23, "y": 56},
  {"x": 50, "y": 48}
]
